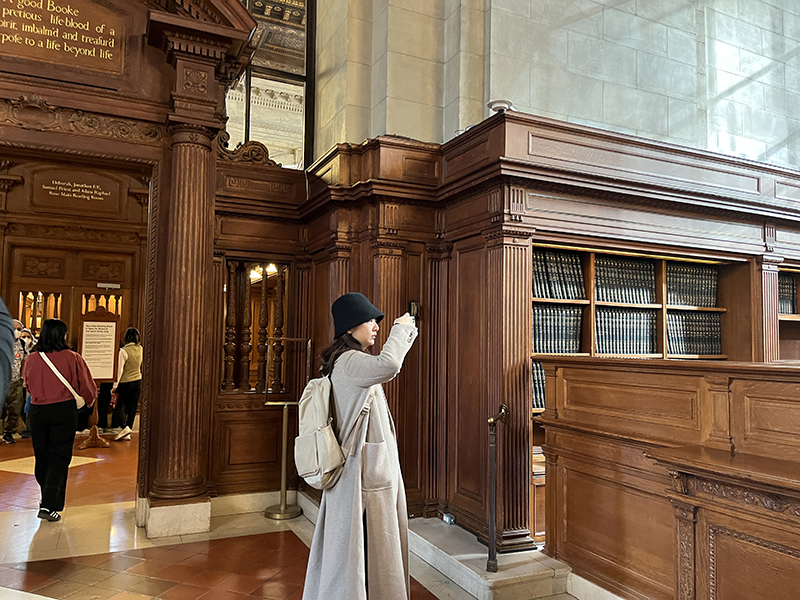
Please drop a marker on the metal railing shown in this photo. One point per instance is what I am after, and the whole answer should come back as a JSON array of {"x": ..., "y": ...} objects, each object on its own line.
[{"x": 491, "y": 564}]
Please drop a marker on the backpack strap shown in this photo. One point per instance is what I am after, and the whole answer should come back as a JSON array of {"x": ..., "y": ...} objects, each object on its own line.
[{"x": 350, "y": 441}]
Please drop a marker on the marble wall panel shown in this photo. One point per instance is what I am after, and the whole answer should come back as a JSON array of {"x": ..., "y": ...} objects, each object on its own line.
[{"x": 637, "y": 109}]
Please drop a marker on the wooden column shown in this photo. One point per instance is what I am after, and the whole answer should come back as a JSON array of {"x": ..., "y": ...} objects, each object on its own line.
[
  {"x": 338, "y": 274},
  {"x": 509, "y": 379},
  {"x": 437, "y": 321},
  {"x": 769, "y": 341},
  {"x": 186, "y": 241},
  {"x": 387, "y": 295}
]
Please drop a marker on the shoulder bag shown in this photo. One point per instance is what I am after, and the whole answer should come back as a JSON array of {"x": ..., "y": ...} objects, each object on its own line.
[{"x": 78, "y": 399}]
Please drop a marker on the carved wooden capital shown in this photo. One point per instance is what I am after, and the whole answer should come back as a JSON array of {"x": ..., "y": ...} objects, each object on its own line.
[
  {"x": 769, "y": 262},
  {"x": 384, "y": 247},
  {"x": 679, "y": 483},
  {"x": 7, "y": 182},
  {"x": 718, "y": 383},
  {"x": 506, "y": 236},
  {"x": 187, "y": 133}
]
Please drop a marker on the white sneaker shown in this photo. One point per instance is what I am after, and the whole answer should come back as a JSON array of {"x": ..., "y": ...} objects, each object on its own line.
[{"x": 126, "y": 432}]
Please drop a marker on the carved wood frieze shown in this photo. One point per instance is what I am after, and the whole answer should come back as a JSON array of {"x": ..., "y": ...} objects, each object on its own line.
[
  {"x": 72, "y": 233},
  {"x": 31, "y": 111},
  {"x": 35, "y": 266},
  {"x": 774, "y": 503},
  {"x": 104, "y": 270},
  {"x": 252, "y": 152}
]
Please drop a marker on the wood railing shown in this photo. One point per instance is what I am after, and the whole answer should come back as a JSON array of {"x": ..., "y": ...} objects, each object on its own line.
[{"x": 254, "y": 312}]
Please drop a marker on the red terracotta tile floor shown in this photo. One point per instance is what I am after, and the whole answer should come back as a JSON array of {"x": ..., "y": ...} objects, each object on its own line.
[
  {"x": 267, "y": 566},
  {"x": 112, "y": 479}
]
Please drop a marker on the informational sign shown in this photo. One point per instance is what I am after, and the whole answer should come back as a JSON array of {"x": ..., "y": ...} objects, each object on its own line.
[
  {"x": 78, "y": 33},
  {"x": 75, "y": 191},
  {"x": 99, "y": 348}
]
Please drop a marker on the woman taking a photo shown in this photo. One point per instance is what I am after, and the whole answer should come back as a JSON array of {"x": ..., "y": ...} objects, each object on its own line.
[
  {"x": 360, "y": 545},
  {"x": 53, "y": 414}
]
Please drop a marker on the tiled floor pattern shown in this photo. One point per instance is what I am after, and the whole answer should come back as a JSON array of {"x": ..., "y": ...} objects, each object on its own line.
[
  {"x": 266, "y": 566},
  {"x": 112, "y": 478}
]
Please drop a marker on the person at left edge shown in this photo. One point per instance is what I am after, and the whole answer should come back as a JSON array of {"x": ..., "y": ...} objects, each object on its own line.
[
  {"x": 16, "y": 393},
  {"x": 6, "y": 351},
  {"x": 53, "y": 415}
]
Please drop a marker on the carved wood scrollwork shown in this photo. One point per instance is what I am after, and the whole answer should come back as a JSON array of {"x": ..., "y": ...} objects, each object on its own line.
[
  {"x": 685, "y": 519},
  {"x": 740, "y": 495},
  {"x": 679, "y": 483},
  {"x": 195, "y": 81},
  {"x": 252, "y": 152},
  {"x": 31, "y": 111}
]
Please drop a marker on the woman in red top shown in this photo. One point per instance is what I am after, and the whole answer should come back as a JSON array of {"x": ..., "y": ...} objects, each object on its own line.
[{"x": 53, "y": 416}]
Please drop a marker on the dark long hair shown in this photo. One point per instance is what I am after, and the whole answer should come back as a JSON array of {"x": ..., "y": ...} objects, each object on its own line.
[
  {"x": 52, "y": 337},
  {"x": 340, "y": 345},
  {"x": 132, "y": 336}
]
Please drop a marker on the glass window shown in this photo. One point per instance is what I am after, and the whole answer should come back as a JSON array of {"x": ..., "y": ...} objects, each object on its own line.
[{"x": 268, "y": 103}]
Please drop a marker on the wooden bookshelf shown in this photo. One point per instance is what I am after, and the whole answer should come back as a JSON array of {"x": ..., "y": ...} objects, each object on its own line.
[
  {"x": 696, "y": 308},
  {"x": 788, "y": 317},
  {"x": 560, "y": 301}
]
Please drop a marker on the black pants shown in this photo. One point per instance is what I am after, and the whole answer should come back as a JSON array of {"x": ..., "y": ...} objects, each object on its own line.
[
  {"x": 53, "y": 435},
  {"x": 127, "y": 402},
  {"x": 103, "y": 402}
]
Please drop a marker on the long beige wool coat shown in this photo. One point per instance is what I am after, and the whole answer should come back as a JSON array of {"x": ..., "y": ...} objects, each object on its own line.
[{"x": 344, "y": 555}]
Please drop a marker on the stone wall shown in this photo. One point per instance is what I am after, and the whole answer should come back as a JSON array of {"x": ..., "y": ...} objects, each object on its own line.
[{"x": 717, "y": 74}]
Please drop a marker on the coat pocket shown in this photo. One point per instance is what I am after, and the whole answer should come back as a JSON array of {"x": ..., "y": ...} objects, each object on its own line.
[{"x": 377, "y": 471}]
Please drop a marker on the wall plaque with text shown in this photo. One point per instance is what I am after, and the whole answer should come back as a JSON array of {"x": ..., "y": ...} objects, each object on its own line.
[
  {"x": 78, "y": 33},
  {"x": 75, "y": 192}
]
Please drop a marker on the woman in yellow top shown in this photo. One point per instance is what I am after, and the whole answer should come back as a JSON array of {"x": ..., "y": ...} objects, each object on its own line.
[{"x": 129, "y": 383}]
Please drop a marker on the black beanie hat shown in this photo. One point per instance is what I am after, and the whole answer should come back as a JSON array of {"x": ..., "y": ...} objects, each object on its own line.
[{"x": 351, "y": 310}]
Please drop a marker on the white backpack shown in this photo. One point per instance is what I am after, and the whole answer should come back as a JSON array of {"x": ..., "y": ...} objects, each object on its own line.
[{"x": 317, "y": 453}]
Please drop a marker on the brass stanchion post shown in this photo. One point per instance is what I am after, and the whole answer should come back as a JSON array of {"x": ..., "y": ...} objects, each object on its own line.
[
  {"x": 491, "y": 564},
  {"x": 282, "y": 511}
]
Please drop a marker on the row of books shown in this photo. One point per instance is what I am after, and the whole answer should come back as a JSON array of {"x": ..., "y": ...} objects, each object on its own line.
[
  {"x": 537, "y": 372},
  {"x": 691, "y": 285},
  {"x": 625, "y": 280},
  {"x": 557, "y": 328},
  {"x": 626, "y": 330},
  {"x": 693, "y": 333},
  {"x": 787, "y": 295},
  {"x": 557, "y": 275}
]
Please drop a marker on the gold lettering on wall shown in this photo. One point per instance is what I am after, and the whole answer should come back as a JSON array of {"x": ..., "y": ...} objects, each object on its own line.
[{"x": 77, "y": 33}]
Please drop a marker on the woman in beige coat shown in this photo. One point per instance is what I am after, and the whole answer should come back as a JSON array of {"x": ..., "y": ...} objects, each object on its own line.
[{"x": 360, "y": 545}]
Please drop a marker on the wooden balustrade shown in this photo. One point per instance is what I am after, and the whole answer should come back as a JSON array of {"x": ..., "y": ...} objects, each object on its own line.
[{"x": 254, "y": 313}]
